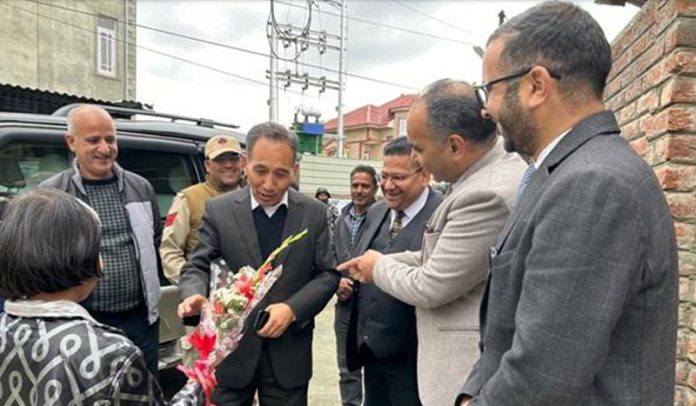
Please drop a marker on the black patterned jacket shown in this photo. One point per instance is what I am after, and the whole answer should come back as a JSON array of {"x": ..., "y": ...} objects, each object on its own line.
[{"x": 54, "y": 353}]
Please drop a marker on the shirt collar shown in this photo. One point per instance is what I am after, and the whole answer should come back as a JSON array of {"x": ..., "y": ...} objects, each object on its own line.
[
  {"x": 42, "y": 308},
  {"x": 353, "y": 214},
  {"x": 412, "y": 211},
  {"x": 546, "y": 151},
  {"x": 270, "y": 211}
]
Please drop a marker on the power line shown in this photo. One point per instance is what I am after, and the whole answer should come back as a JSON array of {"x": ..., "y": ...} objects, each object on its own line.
[
  {"x": 423, "y": 13},
  {"x": 245, "y": 50},
  {"x": 393, "y": 27}
]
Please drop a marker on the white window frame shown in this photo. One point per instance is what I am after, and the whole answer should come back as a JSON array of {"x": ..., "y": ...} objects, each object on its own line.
[
  {"x": 106, "y": 49},
  {"x": 402, "y": 128}
]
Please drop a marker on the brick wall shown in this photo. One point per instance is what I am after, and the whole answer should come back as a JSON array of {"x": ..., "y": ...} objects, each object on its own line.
[{"x": 652, "y": 89}]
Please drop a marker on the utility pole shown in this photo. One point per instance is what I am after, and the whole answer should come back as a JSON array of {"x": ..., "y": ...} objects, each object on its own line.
[
  {"x": 341, "y": 84},
  {"x": 273, "y": 81},
  {"x": 301, "y": 39}
]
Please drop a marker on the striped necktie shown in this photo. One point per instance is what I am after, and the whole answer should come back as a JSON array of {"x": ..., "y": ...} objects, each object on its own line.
[
  {"x": 396, "y": 225},
  {"x": 525, "y": 179}
]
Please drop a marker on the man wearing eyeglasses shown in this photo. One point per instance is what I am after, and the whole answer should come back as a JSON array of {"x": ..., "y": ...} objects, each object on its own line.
[
  {"x": 444, "y": 278},
  {"x": 382, "y": 333},
  {"x": 581, "y": 301}
]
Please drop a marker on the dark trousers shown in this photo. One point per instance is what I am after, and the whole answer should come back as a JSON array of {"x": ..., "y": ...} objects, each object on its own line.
[
  {"x": 134, "y": 323},
  {"x": 350, "y": 382},
  {"x": 390, "y": 381},
  {"x": 270, "y": 393}
]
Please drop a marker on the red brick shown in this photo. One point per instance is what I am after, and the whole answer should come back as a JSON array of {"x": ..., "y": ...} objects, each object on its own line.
[
  {"x": 618, "y": 64},
  {"x": 655, "y": 76},
  {"x": 615, "y": 103},
  {"x": 631, "y": 131},
  {"x": 632, "y": 91},
  {"x": 678, "y": 178},
  {"x": 692, "y": 379},
  {"x": 664, "y": 17},
  {"x": 683, "y": 206},
  {"x": 653, "y": 125},
  {"x": 683, "y": 33},
  {"x": 679, "y": 90},
  {"x": 684, "y": 292},
  {"x": 626, "y": 114},
  {"x": 640, "y": 145},
  {"x": 684, "y": 320},
  {"x": 648, "y": 58},
  {"x": 688, "y": 397},
  {"x": 682, "y": 61},
  {"x": 648, "y": 103},
  {"x": 685, "y": 7},
  {"x": 680, "y": 119},
  {"x": 681, "y": 372},
  {"x": 612, "y": 88},
  {"x": 686, "y": 236},
  {"x": 640, "y": 23},
  {"x": 681, "y": 148},
  {"x": 682, "y": 335}
]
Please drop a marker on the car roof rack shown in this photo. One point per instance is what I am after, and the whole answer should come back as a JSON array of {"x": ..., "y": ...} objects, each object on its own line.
[{"x": 128, "y": 113}]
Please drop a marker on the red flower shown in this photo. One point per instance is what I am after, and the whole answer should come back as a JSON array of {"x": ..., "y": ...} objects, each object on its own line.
[{"x": 245, "y": 286}]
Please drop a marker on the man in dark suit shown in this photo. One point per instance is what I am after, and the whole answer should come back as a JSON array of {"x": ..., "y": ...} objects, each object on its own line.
[
  {"x": 363, "y": 187},
  {"x": 581, "y": 301},
  {"x": 243, "y": 227},
  {"x": 382, "y": 335}
]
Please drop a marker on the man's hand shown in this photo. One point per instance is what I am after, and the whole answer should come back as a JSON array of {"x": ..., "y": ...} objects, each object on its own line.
[
  {"x": 191, "y": 306},
  {"x": 280, "y": 317},
  {"x": 361, "y": 268},
  {"x": 345, "y": 289}
]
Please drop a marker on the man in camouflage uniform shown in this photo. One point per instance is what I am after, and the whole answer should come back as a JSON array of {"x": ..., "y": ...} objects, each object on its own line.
[{"x": 224, "y": 163}]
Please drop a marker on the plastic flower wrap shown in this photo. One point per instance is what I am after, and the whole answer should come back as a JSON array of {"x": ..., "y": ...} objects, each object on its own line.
[{"x": 222, "y": 323}]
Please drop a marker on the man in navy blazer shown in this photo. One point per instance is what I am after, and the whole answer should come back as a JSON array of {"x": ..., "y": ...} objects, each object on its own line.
[
  {"x": 580, "y": 306},
  {"x": 382, "y": 334}
]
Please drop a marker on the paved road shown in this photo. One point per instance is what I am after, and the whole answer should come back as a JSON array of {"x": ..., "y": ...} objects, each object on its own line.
[{"x": 323, "y": 388}]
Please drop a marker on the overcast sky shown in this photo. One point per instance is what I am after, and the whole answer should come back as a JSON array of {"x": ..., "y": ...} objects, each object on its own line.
[{"x": 206, "y": 80}]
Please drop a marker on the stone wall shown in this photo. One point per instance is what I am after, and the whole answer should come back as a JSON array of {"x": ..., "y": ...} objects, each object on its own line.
[{"x": 652, "y": 89}]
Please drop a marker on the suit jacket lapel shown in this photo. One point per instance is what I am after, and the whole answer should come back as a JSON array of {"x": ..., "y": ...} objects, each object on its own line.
[
  {"x": 247, "y": 229},
  {"x": 371, "y": 228},
  {"x": 597, "y": 124},
  {"x": 293, "y": 221}
]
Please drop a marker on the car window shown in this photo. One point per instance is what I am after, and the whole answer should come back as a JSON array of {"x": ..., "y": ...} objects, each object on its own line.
[
  {"x": 167, "y": 172},
  {"x": 24, "y": 165}
]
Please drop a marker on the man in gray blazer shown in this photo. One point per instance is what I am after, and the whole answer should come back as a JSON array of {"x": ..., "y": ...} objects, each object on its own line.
[
  {"x": 445, "y": 279},
  {"x": 243, "y": 227},
  {"x": 581, "y": 301}
]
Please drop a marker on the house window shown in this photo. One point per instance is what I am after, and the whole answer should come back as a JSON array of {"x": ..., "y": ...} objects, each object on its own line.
[
  {"x": 402, "y": 128},
  {"x": 106, "y": 46}
]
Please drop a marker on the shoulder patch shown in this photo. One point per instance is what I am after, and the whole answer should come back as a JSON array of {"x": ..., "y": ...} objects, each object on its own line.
[{"x": 170, "y": 219}]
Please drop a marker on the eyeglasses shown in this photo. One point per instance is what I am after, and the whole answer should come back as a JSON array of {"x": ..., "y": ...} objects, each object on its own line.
[
  {"x": 397, "y": 178},
  {"x": 485, "y": 88}
]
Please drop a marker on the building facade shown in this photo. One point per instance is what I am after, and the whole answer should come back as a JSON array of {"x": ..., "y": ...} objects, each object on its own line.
[
  {"x": 368, "y": 128},
  {"x": 80, "y": 47}
]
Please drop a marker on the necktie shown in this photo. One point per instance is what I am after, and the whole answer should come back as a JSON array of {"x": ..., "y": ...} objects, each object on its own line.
[
  {"x": 396, "y": 225},
  {"x": 525, "y": 179}
]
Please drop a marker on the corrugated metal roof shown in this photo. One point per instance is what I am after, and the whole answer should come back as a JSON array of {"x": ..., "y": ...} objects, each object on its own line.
[{"x": 21, "y": 99}]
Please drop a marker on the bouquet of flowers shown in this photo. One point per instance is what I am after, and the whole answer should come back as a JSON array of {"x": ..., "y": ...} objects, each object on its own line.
[{"x": 222, "y": 323}]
